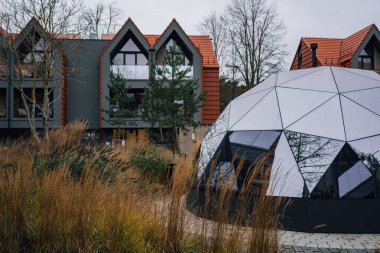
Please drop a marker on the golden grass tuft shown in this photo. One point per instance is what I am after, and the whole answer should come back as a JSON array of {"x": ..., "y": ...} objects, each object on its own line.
[{"x": 45, "y": 209}]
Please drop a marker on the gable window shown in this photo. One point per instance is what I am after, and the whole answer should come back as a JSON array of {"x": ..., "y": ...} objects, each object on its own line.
[
  {"x": 34, "y": 59},
  {"x": 130, "y": 54},
  {"x": 365, "y": 61},
  {"x": 182, "y": 53}
]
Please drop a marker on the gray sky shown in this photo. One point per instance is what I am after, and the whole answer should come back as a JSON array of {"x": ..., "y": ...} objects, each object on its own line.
[{"x": 309, "y": 18}]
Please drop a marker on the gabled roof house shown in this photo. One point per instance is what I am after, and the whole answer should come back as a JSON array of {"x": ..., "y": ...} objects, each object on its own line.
[
  {"x": 82, "y": 92},
  {"x": 360, "y": 50}
]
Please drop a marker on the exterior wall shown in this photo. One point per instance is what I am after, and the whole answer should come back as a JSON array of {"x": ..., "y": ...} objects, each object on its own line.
[
  {"x": 210, "y": 84},
  {"x": 377, "y": 60},
  {"x": 82, "y": 91}
]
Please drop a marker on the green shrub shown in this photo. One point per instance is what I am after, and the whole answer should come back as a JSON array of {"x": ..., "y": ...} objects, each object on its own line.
[{"x": 152, "y": 162}]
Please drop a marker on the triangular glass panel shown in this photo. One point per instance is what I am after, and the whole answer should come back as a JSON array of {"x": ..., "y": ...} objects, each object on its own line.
[
  {"x": 367, "y": 98},
  {"x": 266, "y": 85},
  {"x": 368, "y": 150},
  {"x": 295, "y": 103},
  {"x": 313, "y": 155},
  {"x": 321, "y": 80},
  {"x": 264, "y": 116},
  {"x": 240, "y": 106},
  {"x": 352, "y": 178},
  {"x": 358, "y": 121},
  {"x": 327, "y": 187},
  {"x": 325, "y": 121},
  {"x": 347, "y": 81},
  {"x": 285, "y": 178},
  {"x": 212, "y": 140}
]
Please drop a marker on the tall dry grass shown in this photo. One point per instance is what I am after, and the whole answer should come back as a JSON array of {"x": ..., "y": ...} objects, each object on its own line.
[{"x": 47, "y": 206}]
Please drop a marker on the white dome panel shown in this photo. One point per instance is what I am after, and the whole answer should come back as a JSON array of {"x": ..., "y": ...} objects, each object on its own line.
[
  {"x": 348, "y": 81},
  {"x": 325, "y": 121},
  {"x": 264, "y": 116}
]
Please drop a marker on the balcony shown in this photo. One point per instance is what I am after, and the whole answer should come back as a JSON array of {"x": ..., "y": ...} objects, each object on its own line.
[
  {"x": 132, "y": 72},
  {"x": 189, "y": 74},
  {"x": 32, "y": 71}
]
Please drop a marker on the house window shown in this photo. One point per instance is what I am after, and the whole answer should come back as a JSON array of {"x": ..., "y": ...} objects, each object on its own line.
[
  {"x": 137, "y": 96},
  {"x": 33, "y": 60},
  {"x": 19, "y": 108},
  {"x": 3, "y": 103},
  {"x": 3, "y": 63},
  {"x": 130, "y": 54},
  {"x": 160, "y": 56},
  {"x": 365, "y": 61}
]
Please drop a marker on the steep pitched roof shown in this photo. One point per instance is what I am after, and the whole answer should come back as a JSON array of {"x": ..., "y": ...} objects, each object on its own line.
[
  {"x": 351, "y": 43},
  {"x": 334, "y": 51},
  {"x": 201, "y": 42}
]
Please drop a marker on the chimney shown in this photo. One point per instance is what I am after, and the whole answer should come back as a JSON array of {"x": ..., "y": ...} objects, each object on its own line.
[{"x": 314, "y": 47}]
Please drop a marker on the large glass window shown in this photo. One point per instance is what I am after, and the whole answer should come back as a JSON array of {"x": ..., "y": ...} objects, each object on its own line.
[
  {"x": 130, "y": 54},
  {"x": 34, "y": 61},
  {"x": 3, "y": 103},
  {"x": 132, "y": 106},
  {"x": 19, "y": 108}
]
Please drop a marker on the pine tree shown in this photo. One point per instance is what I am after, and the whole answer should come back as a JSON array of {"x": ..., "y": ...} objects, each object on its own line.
[
  {"x": 120, "y": 102},
  {"x": 172, "y": 99}
]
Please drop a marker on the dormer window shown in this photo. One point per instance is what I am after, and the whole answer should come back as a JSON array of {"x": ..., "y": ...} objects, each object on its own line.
[
  {"x": 182, "y": 52},
  {"x": 365, "y": 61},
  {"x": 172, "y": 43},
  {"x": 130, "y": 54}
]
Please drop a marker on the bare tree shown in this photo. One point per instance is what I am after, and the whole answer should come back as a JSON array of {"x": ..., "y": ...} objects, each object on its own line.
[
  {"x": 254, "y": 40},
  {"x": 102, "y": 18},
  {"x": 214, "y": 26},
  {"x": 41, "y": 25}
]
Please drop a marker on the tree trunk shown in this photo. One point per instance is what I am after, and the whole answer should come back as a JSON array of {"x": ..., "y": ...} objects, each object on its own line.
[{"x": 161, "y": 135}]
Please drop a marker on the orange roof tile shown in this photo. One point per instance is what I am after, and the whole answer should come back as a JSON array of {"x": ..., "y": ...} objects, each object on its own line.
[
  {"x": 328, "y": 51},
  {"x": 351, "y": 44}
]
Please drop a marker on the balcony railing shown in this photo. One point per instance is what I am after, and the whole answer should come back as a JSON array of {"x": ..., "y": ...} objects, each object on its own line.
[
  {"x": 181, "y": 68},
  {"x": 3, "y": 71},
  {"x": 132, "y": 72},
  {"x": 31, "y": 71}
]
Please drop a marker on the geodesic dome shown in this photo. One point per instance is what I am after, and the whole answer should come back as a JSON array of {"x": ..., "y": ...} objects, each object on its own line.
[{"x": 322, "y": 126}]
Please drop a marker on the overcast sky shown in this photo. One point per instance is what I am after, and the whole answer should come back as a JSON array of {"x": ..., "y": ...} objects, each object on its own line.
[{"x": 308, "y": 18}]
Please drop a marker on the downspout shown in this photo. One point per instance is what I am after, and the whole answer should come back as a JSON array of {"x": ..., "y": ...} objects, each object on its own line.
[{"x": 9, "y": 91}]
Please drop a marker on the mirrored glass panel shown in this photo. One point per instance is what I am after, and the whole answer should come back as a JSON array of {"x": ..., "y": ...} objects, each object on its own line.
[
  {"x": 313, "y": 155},
  {"x": 327, "y": 186},
  {"x": 285, "y": 178},
  {"x": 212, "y": 140},
  {"x": 352, "y": 178}
]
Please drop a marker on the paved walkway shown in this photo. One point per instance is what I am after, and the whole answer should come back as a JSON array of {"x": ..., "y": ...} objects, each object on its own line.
[
  {"x": 337, "y": 242},
  {"x": 295, "y": 242}
]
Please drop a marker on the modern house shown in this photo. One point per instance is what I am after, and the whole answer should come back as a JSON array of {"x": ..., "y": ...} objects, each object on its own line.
[
  {"x": 82, "y": 71},
  {"x": 361, "y": 50}
]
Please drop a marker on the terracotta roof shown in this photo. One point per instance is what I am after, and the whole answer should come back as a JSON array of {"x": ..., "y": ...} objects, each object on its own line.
[
  {"x": 328, "y": 51},
  {"x": 351, "y": 44},
  {"x": 334, "y": 51}
]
